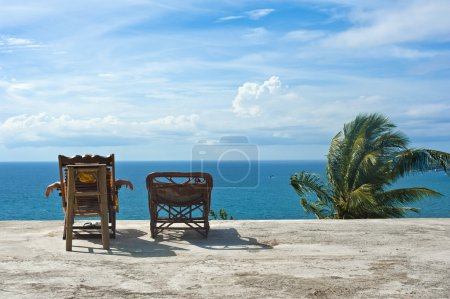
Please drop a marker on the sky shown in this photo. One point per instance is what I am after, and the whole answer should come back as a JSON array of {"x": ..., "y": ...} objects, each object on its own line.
[{"x": 151, "y": 80}]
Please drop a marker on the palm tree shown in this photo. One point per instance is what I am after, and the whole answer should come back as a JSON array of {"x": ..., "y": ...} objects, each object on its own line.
[{"x": 364, "y": 159}]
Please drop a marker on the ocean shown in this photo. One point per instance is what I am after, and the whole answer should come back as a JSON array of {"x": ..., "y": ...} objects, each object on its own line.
[{"x": 257, "y": 190}]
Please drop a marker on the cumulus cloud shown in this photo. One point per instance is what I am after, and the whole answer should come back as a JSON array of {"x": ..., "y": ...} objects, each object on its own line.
[
  {"x": 46, "y": 130},
  {"x": 252, "y": 96},
  {"x": 305, "y": 114}
]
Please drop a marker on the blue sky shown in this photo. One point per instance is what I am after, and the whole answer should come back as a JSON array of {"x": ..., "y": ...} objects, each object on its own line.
[{"x": 148, "y": 80}]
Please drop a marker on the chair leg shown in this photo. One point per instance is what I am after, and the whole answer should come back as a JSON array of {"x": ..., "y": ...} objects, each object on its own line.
[
  {"x": 112, "y": 220},
  {"x": 206, "y": 219},
  {"x": 69, "y": 231},
  {"x": 70, "y": 209},
  {"x": 152, "y": 232},
  {"x": 114, "y": 223},
  {"x": 206, "y": 228},
  {"x": 104, "y": 213},
  {"x": 153, "y": 228},
  {"x": 65, "y": 228},
  {"x": 153, "y": 218},
  {"x": 105, "y": 230}
]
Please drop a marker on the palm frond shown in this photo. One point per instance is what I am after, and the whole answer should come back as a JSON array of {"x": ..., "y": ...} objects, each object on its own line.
[
  {"x": 306, "y": 184},
  {"x": 442, "y": 159},
  {"x": 391, "y": 141},
  {"x": 334, "y": 162},
  {"x": 406, "y": 195},
  {"x": 420, "y": 160},
  {"x": 389, "y": 212},
  {"x": 315, "y": 207},
  {"x": 367, "y": 142},
  {"x": 364, "y": 194}
]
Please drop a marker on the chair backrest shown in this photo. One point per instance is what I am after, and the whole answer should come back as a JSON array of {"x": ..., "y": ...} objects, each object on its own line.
[
  {"x": 63, "y": 161},
  {"x": 87, "y": 187},
  {"x": 87, "y": 196},
  {"x": 179, "y": 188}
]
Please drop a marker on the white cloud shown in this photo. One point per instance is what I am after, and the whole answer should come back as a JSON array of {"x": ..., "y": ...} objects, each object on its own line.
[
  {"x": 230, "y": 18},
  {"x": 304, "y": 35},
  {"x": 256, "y": 35},
  {"x": 425, "y": 110},
  {"x": 46, "y": 130},
  {"x": 272, "y": 105},
  {"x": 258, "y": 13},
  {"x": 19, "y": 86},
  {"x": 170, "y": 123},
  {"x": 251, "y": 14},
  {"x": 402, "y": 52},
  {"x": 13, "y": 41},
  {"x": 9, "y": 43},
  {"x": 418, "y": 21},
  {"x": 274, "y": 114},
  {"x": 252, "y": 96},
  {"x": 106, "y": 75}
]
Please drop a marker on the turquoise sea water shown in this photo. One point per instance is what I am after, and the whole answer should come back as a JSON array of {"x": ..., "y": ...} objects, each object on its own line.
[{"x": 246, "y": 191}]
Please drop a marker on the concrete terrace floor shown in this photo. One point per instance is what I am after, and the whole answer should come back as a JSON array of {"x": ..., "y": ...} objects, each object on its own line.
[{"x": 405, "y": 258}]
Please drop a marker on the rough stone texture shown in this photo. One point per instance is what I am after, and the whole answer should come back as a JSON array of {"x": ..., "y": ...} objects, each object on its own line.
[{"x": 405, "y": 258}]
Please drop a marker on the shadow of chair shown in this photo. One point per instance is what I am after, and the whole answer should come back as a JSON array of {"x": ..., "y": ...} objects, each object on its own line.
[
  {"x": 133, "y": 243},
  {"x": 130, "y": 243},
  {"x": 218, "y": 239}
]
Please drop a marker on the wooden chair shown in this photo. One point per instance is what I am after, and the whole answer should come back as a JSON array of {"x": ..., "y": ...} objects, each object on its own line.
[
  {"x": 179, "y": 197},
  {"x": 86, "y": 195},
  {"x": 112, "y": 189}
]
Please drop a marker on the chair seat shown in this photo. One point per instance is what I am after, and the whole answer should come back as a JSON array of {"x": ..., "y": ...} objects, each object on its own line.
[{"x": 180, "y": 194}]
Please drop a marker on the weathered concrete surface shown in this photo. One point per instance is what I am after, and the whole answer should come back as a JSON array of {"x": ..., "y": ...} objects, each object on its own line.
[{"x": 407, "y": 258}]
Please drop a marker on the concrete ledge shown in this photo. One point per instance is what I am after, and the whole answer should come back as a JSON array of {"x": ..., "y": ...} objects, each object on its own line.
[{"x": 404, "y": 258}]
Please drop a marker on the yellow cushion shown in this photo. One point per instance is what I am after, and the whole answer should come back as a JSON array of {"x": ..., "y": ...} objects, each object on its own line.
[{"x": 87, "y": 177}]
